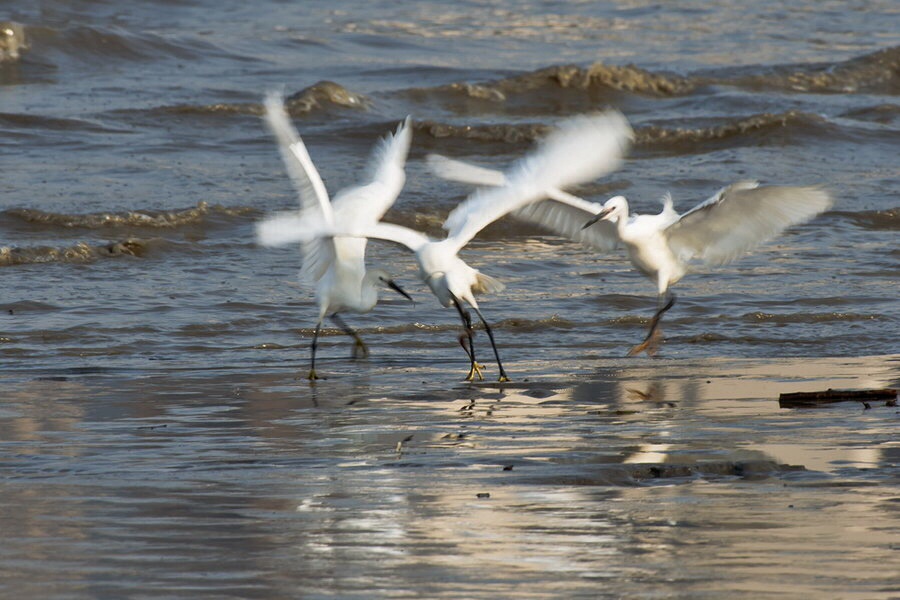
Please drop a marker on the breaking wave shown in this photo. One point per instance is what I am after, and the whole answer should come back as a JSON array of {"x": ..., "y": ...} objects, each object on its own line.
[
  {"x": 598, "y": 76},
  {"x": 878, "y": 72},
  {"x": 884, "y": 220},
  {"x": 658, "y": 137},
  {"x": 507, "y": 133},
  {"x": 650, "y": 137},
  {"x": 203, "y": 213},
  {"x": 77, "y": 254},
  {"x": 323, "y": 95}
]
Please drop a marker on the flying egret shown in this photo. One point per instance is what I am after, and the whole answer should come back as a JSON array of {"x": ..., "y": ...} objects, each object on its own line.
[
  {"x": 336, "y": 266},
  {"x": 734, "y": 220},
  {"x": 579, "y": 149}
]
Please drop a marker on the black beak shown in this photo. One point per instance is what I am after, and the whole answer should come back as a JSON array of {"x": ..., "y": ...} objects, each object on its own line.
[
  {"x": 390, "y": 283},
  {"x": 597, "y": 217}
]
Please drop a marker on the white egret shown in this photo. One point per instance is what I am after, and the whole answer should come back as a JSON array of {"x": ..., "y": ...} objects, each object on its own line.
[
  {"x": 336, "y": 266},
  {"x": 579, "y": 149},
  {"x": 717, "y": 231}
]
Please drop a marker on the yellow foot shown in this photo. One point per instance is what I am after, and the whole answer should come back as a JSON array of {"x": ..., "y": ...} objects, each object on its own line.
[
  {"x": 312, "y": 375},
  {"x": 503, "y": 379},
  {"x": 475, "y": 370},
  {"x": 650, "y": 345},
  {"x": 360, "y": 350},
  {"x": 635, "y": 350}
]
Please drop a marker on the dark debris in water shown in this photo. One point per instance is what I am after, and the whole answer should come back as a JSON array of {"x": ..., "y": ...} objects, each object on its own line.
[{"x": 640, "y": 473}]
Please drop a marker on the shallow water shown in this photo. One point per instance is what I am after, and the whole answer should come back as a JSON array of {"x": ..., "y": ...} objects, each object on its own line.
[{"x": 157, "y": 444}]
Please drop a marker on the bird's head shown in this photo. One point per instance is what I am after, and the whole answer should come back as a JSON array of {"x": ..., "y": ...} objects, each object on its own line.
[
  {"x": 613, "y": 209},
  {"x": 382, "y": 277}
]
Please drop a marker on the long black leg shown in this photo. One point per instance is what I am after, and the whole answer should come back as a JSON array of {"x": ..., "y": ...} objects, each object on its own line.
[
  {"x": 649, "y": 343},
  {"x": 490, "y": 333},
  {"x": 475, "y": 369},
  {"x": 315, "y": 344},
  {"x": 358, "y": 344}
]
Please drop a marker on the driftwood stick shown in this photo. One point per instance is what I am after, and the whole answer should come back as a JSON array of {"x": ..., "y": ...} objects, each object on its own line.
[{"x": 813, "y": 399}]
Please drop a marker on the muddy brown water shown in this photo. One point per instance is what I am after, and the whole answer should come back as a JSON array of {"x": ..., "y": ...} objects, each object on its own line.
[{"x": 156, "y": 442}]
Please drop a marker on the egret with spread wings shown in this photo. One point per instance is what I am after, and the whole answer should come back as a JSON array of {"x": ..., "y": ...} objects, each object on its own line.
[
  {"x": 717, "y": 231},
  {"x": 336, "y": 266},
  {"x": 579, "y": 149}
]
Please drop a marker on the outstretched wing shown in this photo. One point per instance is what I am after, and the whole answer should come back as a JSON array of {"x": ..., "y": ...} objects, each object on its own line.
[
  {"x": 367, "y": 203},
  {"x": 317, "y": 254},
  {"x": 410, "y": 238},
  {"x": 300, "y": 168},
  {"x": 305, "y": 228},
  {"x": 580, "y": 149},
  {"x": 562, "y": 213},
  {"x": 565, "y": 215},
  {"x": 291, "y": 228},
  {"x": 463, "y": 172},
  {"x": 740, "y": 217}
]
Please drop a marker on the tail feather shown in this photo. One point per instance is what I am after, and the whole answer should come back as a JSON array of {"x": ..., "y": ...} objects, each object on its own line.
[{"x": 485, "y": 284}]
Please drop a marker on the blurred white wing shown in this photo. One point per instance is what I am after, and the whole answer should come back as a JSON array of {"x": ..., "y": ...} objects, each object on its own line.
[
  {"x": 398, "y": 234},
  {"x": 291, "y": 227},
  {"x": 565, "y": 215},
  {"x": 367, "y": 203},
  {"x": 580, "y": 149},
  {"x": 463, "y": 172},
  {"x": 317, "y": 254},
  {"x": 740, "y": 217},
  {"x": 306, "y": 229},
  {"x": 389, "y": 155},
  {"x": 300, "y": 168}
]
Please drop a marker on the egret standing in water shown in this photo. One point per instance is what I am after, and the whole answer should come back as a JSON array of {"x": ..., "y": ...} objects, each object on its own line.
[
  {"x": 579, "y": 149},
  {"x": 336, "y": 265},
  {"x": 717, "y": 231}
]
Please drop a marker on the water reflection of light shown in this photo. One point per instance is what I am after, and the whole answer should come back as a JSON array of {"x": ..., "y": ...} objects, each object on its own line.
[{"x": 738, "y": 394}]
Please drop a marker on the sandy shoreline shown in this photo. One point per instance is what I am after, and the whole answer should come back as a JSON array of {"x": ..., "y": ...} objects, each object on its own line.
[{"x": 671, "y": 477}]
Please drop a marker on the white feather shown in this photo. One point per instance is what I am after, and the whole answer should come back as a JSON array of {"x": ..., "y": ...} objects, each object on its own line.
[
  {"x": 366, "y": 204},
  {"x": 580, "y": 149},
  {"x": 286, "y": 228},
  {"x": 566, "y": 217},
  {"x": 300, "y": 168},
  {"x": 457, "y": 170},
  {"x": 742, "y": 216},
  {"x": 563, "y": 213}
]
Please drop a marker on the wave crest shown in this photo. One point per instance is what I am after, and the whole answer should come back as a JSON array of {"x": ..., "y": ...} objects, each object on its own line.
[
  {"x": 687, "y": 138},
  {"x": 877, "y": 72},
  {"x": 147, "y": 219},
  {"x": 319, "y": 96},
  {"x": 627, "y": 78},
  {"x": 76, "y": 254},
  {"x": 508, "y": 133},
  {"x": 883, "y": 220},
  {"x": 648, "y": 137}
]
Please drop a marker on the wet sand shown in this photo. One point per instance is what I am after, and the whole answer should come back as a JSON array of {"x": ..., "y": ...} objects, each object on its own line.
[{"x": 628, "y": 478}]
